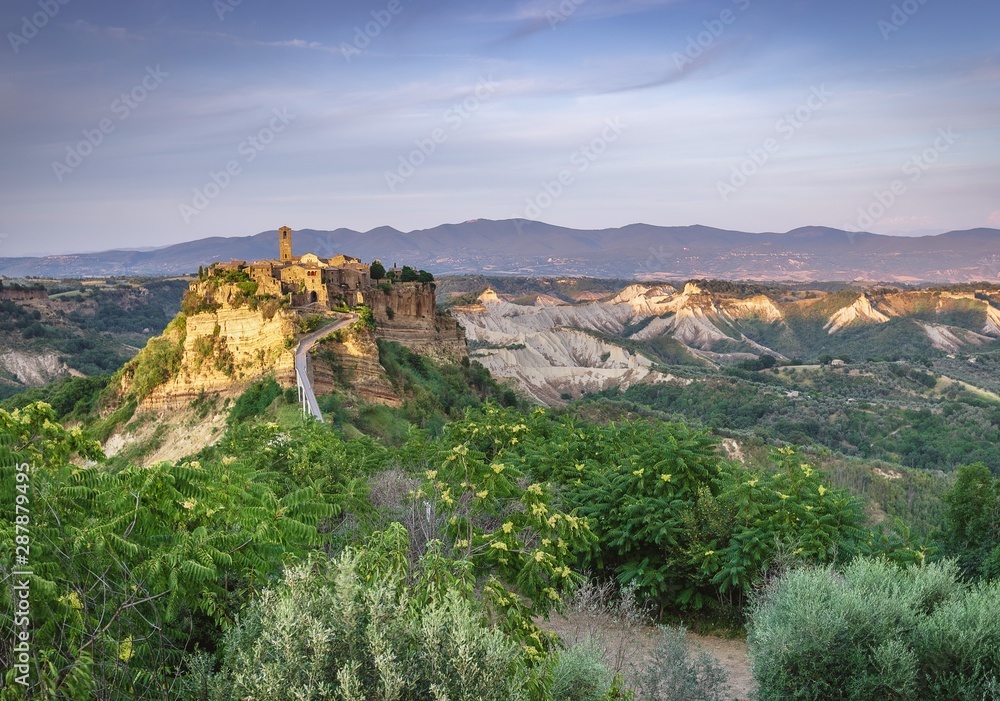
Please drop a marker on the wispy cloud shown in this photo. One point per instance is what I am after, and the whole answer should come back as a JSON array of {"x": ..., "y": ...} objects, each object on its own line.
[{"x": 113, "y": 33}]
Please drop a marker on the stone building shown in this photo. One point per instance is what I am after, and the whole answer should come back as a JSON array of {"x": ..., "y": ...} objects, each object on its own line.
[{"x": 307, "y": 280}]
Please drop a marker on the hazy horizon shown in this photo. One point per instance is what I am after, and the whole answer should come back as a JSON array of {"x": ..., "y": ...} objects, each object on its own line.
[{"x": 70, "y": 251}]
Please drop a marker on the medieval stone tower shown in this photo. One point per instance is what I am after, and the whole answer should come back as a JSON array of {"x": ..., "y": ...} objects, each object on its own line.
[{"x": 285, "y": 244}]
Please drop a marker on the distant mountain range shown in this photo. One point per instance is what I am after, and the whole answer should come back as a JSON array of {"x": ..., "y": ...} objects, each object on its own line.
[{"x": 521, "y": 247}]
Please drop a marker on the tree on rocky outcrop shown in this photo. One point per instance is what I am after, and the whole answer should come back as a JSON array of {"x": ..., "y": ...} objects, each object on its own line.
[{"x": 377, "y": 270}]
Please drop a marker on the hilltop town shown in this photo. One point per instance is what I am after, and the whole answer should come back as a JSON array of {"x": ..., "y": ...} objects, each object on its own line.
[{"x": 310, "y": 281}]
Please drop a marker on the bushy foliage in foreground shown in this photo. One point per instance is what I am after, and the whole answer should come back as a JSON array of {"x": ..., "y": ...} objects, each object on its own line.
[
  {"x": 482, "y": 526},
  {"x": 580, "y": 674},
  {"x": 877, "y": 631},
  {"x": 366, "y": 627},
  {"x": 675, "y": 673},
  {"x": 132, "y": 567},
  {"x": 670, "y": 515}
]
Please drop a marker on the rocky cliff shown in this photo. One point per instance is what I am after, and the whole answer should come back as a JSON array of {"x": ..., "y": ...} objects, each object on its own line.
[
  {"x": 407, "y": 314},
  {"x": 228, "y": 339},
  {"x": 217, "y": 352},
  {"x": 349, "y": 360},
  {"x": 22, "y": 294}
]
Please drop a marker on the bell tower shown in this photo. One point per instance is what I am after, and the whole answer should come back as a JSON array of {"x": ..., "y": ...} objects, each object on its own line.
[{"x": 285, "y": 244}]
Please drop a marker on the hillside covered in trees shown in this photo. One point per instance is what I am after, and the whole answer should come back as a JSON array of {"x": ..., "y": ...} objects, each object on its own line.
[{"x": 420, "y": 548}]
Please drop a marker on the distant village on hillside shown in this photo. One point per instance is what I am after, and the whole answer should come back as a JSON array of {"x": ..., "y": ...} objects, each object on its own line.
[{"x": 309, "y": 280}]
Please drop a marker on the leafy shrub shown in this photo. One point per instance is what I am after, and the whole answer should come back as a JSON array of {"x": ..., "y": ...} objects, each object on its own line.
[
  {"x": 255, "y": 400},
  {"x": 194, "y": 303},
  {"x": 158, "y": 362},
  {"x": 353, "y": 629},
  {"x": 973, "y": 521},
  {"x": 675, "y": 673},
  {"x": 580, "y": 675},
  {"x": 876, "y": 631},
  {"x": 687, "y": 528},
  {"x": 365, "y": 321},
  {"x": 507, "y": 526},
  {"x": 132, "y": 567},
  {"x": 310, "y": 323}
]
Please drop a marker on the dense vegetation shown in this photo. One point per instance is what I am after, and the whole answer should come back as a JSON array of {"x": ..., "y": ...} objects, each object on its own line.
[
  {"x": 885, "y": 411},
  {"x": 876, "y": 631},
  {"x": 277, "y": 533}
]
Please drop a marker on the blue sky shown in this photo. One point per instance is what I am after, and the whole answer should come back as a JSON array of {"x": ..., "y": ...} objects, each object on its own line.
[{"x": 229, "y": 117}]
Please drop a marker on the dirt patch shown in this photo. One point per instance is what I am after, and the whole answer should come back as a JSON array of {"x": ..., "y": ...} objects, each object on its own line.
[
  {"x": 629, "y": 646},
  {"x": 167, "y": 436},
  {"x": 733, "y": 450},
  {"x": 888, "y": 474},
  {"x": 733, "y": 657}
]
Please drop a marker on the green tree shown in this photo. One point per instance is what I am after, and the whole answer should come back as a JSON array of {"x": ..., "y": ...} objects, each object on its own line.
[
  {"x": 131, "y": 567},
  {"x": 377, "y": 270},
  {"x": 495, "y": 516},
  {"x": 973, "y": 530}
]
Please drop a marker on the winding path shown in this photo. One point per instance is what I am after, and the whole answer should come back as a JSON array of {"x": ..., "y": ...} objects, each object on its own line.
[{"x": 310, "y": 407}]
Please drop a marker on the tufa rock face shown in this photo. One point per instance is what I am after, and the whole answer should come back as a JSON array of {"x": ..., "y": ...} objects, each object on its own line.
[
  {"x": 350, "y": 360},
  {"x": 228, "y": 340},
  {"x": 23, "y": 294},
  {"x": 407, "y": 314},
  {"x": 225, "y": 351}
]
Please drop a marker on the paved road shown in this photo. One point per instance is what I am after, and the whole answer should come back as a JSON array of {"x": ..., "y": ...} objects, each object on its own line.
[{"x": 310, "y": 407}]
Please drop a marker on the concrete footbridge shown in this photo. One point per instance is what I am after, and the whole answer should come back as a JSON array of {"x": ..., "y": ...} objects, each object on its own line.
[{"x": 307, "y": 397}]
